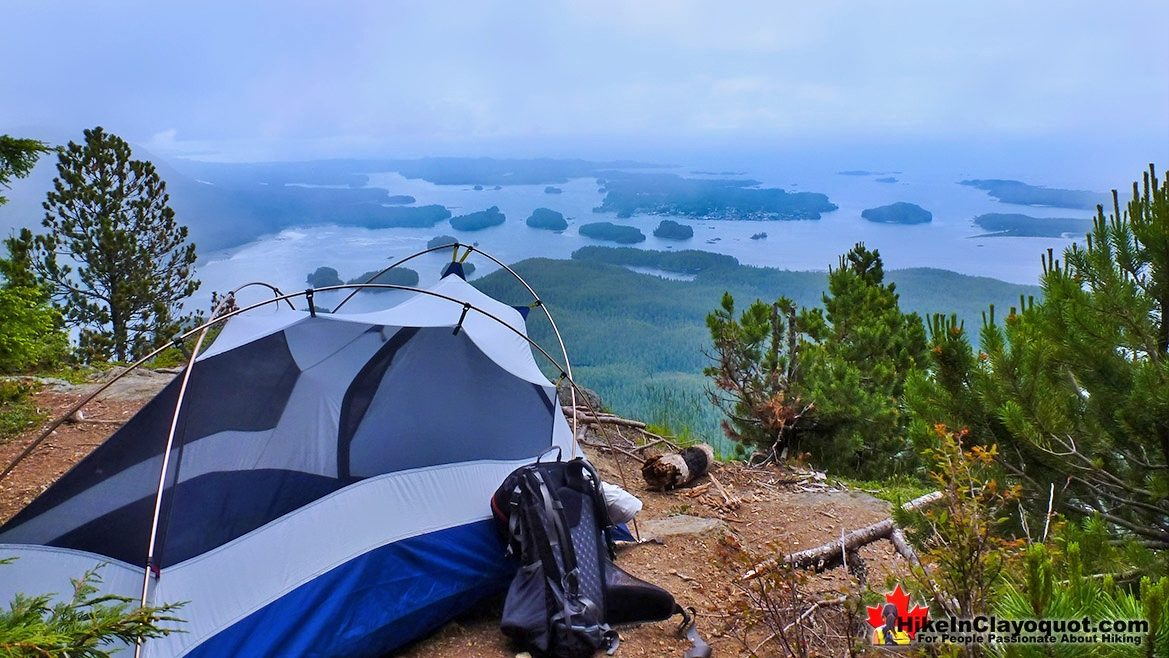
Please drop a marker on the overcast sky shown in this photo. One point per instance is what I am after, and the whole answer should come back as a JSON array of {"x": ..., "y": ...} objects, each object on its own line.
[{"x": 233, "y": 79}]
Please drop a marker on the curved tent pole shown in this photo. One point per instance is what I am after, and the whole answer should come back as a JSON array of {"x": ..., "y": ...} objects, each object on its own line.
[
  {"x": 563, "y": 350},
  {"x": 202, "y": 329},
  {"x": 170, "y": 439},
  {"x": 567, "y": 369},
  {"x": 76, "y": 407},
  {"x": 284, "y": 297},
  {"x": 174, "y": 424},
  {"x": 392, "y": 266},
  {"x": 275, "y": 292}
]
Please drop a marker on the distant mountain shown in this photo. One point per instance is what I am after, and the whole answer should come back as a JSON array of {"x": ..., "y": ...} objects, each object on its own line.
[
  {"x": 234, "y": 211},
  {"x": 229, "y": 204}
]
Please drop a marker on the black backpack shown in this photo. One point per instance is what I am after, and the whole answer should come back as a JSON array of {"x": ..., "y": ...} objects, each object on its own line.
[{"x": 567, "y": 594}]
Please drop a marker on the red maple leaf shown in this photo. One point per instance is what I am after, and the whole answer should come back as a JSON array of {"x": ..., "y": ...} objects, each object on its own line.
[{"x": 908, "y": 620}]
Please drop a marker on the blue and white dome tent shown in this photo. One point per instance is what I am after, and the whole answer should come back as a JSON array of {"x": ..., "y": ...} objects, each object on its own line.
[{"x": 312, "y": 483}]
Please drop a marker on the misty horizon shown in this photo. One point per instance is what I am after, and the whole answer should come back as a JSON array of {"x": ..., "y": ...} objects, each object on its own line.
[{"x": 665, "y": 81}]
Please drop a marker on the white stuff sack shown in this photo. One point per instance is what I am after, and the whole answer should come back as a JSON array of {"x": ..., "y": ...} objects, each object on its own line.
[{"x": 622, "y": 505}]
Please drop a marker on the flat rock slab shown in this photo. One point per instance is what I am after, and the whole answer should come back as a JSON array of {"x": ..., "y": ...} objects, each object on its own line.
[
  {"x": 682, "y": 524},
  {"x": 139, "y": 384}
]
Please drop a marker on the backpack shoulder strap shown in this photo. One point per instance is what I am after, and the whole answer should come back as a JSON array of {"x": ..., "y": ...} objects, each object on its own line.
[{"x": 689, "y": 629}]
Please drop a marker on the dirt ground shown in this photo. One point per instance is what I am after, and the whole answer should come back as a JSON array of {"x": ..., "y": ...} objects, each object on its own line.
[{"x": 771, "y": 510}]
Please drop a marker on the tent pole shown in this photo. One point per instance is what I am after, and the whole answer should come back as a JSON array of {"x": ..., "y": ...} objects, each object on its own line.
[
  {"x": 170, "y": 439},
  {"x": 395, "y": 264},
  {"x": 133, "y": 366},
  {"x": 555, "y": 330},
  {"x": 539, "y": 302},
  {"x": 201, "y": 330}
]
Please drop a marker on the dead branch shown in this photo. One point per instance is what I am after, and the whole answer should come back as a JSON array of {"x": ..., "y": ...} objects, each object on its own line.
[
  {"x": 729, "y": 501},
  {"x": 833, "y": 553},
  {"x": 601, "y": 418},
  {"x": 627, "y": 453},
  {"x": 903, "y": 548}
]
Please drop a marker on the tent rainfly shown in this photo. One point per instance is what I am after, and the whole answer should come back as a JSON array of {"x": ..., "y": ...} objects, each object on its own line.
[{"x": 326, "y": 492}]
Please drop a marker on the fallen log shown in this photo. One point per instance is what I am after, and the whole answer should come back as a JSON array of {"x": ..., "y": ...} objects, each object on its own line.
[
  {"x": 832, "y": 554},
  {"x": 588, "y": 418}
]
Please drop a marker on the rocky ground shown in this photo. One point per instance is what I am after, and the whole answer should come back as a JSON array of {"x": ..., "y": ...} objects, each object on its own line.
[{"x": 697, "y": 540}]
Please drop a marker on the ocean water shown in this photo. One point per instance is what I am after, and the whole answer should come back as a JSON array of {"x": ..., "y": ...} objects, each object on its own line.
[{"x": 951, "y": 241}]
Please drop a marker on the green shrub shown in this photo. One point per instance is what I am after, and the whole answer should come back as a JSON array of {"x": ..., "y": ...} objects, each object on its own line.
[{"x": 18, "y": 413}]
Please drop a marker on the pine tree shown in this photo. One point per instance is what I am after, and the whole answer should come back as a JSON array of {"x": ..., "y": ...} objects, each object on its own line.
[
  {"x": 755, "y": 373},
  {"x": 826, "y": 381},
  {"x": 861, "y": 350},
  {"x": 32, "y": 334},
  {"x": 1075, "y": 388},
  {"x": 17, "y": 158},
  {"x": 127, "y": 264}
]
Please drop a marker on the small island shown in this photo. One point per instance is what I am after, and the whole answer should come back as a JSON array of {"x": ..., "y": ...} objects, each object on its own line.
[
  {"x": 441, "y": 241},
  {"x": 324, "y": 277},
  {"x": 547, "y": 219},
  {"x": 1022, "y": 194},
  {"x": 399, "y": 276},
  {"x": 1013, "y": 225},
  {"x": 758, "y": 236},
  {"x": 478, "y": 188},
  {"x": 477, "y": 221},
  {"x": 668, "y": 229},
  {"x": 400, "y": 200},
  {"x": 898, "y": 213},
  {"x": 886, "y": 179},
  {"x": 612, "y": 232},
  {"x": 552, "y": 190}
]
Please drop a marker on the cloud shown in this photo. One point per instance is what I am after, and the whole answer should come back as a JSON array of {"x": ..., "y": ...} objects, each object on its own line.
[{"x": 300, "y": 76}]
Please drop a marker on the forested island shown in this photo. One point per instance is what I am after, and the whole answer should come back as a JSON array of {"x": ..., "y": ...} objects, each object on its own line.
[
  {"x": 707, "y": 198},
  {"x": 612, "y": 232},
  {"x": 441, "y": 241},
  {"x": 1020, "y": 193},
  {"x": 898, "y": 213},
  {"x": 668, "y": 229},
  {"x": 399, "y": 276},
  {"x": 323, "y": 277},
  {"x": 1024, "y": 226},
  {"x": 477, "y": 221},
  {"x": 548, "y": 219}
]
